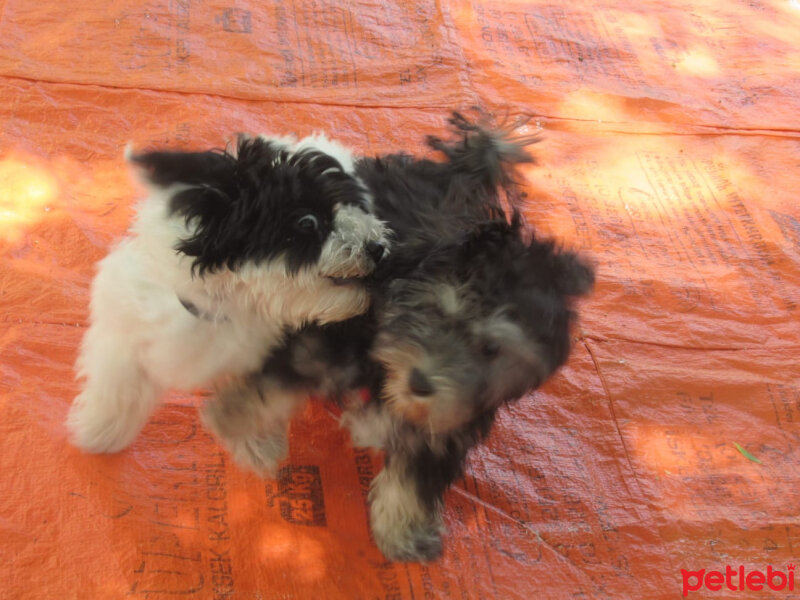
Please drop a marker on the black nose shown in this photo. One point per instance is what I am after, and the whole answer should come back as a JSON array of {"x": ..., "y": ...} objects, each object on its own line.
[
  {"x": 419, "y": 384},
  {"x": 375, "y": 251}
]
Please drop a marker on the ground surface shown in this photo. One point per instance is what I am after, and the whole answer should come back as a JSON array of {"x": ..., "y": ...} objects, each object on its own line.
[{"x": 671, "y": 156}]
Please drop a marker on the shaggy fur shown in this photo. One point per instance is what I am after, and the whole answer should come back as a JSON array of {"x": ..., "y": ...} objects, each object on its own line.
[
  {"x": 228, "y": 253},
  {"x": 470, "y": 312}
]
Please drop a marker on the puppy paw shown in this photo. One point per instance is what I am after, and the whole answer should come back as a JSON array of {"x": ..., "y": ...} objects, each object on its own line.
[
  {"x": 341, "y": 301},
  {"x": 404, "y": 528},
  {"x": 95, "y": 430},
  {"x": 369, "y": 427},
  {"x": 260, "y": 454},
  {"x": 234, "y": 414},
  {"x": 251, "y": 418},
  {"x": 413, "y": 544}
]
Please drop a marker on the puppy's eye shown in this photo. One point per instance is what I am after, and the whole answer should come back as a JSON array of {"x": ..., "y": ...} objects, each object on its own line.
[
  {"x": 307, "y": 224},
  {"x": 490, "y": 349}
]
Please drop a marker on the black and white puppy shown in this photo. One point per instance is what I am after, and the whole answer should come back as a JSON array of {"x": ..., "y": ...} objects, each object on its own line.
[
  {"x": 228, "y": 252},
  {"x": 471, "y": 311}
]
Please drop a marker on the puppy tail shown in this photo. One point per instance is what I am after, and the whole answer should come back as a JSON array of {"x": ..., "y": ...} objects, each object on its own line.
[{"x": 486, "y": 154}]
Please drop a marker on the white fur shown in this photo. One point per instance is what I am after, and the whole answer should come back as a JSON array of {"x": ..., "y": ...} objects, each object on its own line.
[
  {"x": 318, "y": 141},
  {"x": 143, "y": 341},
  {"x": 283, "y": 141}
]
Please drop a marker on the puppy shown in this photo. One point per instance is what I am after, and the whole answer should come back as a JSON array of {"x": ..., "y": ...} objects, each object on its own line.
[
  {"x": 480, "y": 325},
  {"x": 228, "y": 252},
  {"x": 470, "y": 312}
]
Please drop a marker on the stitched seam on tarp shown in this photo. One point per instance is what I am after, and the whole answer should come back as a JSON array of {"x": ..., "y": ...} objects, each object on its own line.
[
  {"x": 644, "y": 499},
  {"x": 604, "y": 339},
  {"x": 486, "y": 506},
  {"x": 430, "y": 106},
  {"x": 607, "y": 392}
]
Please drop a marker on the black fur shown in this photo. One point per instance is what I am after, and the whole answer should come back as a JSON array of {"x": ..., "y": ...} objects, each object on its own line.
[
  {"x": 483, "y": 155},
  {"x": 450, "y": 229},
  {"x": 253, "y": 204},
  {"x": 428, "y": 201},
  {"x": 506, "y": 267},
  {"x": 435, "y": 470},
  {"x": 329, "y": 359}
]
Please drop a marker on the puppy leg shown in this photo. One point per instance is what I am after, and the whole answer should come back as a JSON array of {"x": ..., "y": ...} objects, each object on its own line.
[
  {"x": 333, "y": 302},
  {"x": 117, "y": 398},
  {"x": 406, "y": 525},
  {"x": 251, "y": 419},
  {"x": 370, "y": 425}
]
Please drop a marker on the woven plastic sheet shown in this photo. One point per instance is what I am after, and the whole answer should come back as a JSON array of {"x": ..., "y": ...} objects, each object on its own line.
[{"x": 671, "y": 157}]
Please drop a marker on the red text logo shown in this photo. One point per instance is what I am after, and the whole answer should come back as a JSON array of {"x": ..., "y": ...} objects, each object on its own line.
[{"x": 738, "y": 579}]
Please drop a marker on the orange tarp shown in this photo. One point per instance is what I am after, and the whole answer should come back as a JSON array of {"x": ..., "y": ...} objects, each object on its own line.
[{"x": 671, "y": 156}]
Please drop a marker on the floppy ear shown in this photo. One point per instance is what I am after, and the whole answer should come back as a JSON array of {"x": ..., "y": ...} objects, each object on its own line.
[
  {"x": 208, "y": 189},
  {"x": 572, "y": 275},
  {"x": 164, "y": 168}
]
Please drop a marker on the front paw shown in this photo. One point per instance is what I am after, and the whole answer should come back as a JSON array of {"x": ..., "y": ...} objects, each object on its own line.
[
  {"x": 369, "y": 426},
  {"x": 257, "y": 448},
  {"x": 410, "y": 543},
  {"x": 94, "y": 427},
  {"x": 404, "y": 528},
  {"x": 342, "y": 301},
  {"x": 262, "y": 455}
]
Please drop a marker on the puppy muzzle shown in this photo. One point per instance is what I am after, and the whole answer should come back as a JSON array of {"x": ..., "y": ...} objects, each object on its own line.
[{"x": 358, "y": 242}]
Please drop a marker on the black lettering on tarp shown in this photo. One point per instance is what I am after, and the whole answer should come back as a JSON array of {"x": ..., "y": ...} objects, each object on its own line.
[
  {"x": 159, "y": 42},
  {"x": 218, "y": 528},
  {"x": 387, "y": 576},
  {"x": 174, "y": 573},
  {"x": 236, "y": 20},
  {"x": 790, "y": 227},
  {"x": 298, "y": 494}
]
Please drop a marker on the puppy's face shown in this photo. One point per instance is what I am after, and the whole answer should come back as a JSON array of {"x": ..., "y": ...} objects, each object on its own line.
[
  {"x": 269, "y": 204},
  {"x": 476, "y": 326}
]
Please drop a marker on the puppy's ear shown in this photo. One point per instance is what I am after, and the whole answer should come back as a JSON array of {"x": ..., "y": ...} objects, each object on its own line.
[
  {"x": 573, "y": 276},
  {"x": 164, "y": 168}
]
